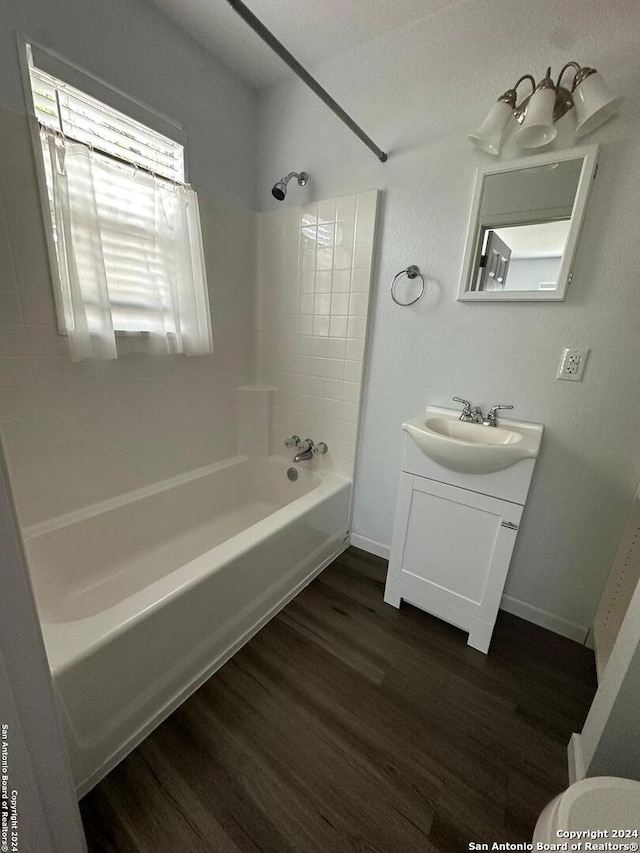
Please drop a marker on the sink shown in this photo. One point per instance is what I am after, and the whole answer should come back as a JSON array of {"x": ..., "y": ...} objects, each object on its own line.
[{"x": 473, "y": 448}]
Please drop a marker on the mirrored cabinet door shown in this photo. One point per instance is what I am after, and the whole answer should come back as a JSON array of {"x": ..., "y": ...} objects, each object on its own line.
[{"x": 525, "y": 226}]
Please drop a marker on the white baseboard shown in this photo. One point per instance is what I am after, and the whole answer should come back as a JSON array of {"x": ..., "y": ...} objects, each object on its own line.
[
  {"x": 575, "y": 759},
  {"x": 512, "y": 605},
  {"x": 370, "y": 545},
  {"x": 543, "y": 618},
  {"x": 590, "y": 642}
]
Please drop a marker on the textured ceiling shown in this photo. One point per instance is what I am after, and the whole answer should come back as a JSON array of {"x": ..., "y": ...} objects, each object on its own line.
[{"x": 312, "y": 31}]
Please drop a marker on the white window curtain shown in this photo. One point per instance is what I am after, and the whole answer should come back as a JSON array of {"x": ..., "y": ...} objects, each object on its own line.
[{"x": 130, "y": 254}]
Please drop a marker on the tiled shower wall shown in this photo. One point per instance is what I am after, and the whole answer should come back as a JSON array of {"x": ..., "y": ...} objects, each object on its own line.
[
  {"x": 79, "y": 433},
  {"x": 314, "y": 275},
  {"x": 76, "y": 434}
]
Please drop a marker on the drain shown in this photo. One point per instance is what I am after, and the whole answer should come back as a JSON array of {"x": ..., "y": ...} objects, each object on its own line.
[{"x": 292, "y": 474}]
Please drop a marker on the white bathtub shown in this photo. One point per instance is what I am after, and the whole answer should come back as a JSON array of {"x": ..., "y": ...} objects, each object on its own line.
[{"x": 142, "y": 598}]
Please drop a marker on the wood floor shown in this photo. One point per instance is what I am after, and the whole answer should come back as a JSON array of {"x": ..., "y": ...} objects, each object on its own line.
[{"x": 347, "y": 725}]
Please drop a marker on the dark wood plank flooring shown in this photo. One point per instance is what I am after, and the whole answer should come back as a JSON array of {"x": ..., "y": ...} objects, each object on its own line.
[{"x": 347, "y": 725}]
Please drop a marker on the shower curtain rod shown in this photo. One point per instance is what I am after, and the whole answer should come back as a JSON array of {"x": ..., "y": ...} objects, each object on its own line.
[{"x": 267, "y": 36}]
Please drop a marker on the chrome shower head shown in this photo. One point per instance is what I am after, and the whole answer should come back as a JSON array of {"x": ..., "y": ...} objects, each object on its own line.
[{"x": 279, "y": 189}]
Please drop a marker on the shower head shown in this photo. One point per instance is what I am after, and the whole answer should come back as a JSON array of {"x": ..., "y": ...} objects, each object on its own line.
[{"x": 279, "y": 189}]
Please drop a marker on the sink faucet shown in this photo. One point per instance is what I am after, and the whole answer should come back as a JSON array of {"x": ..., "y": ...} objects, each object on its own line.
[
  {"x": 492, "y": 415},
  {"x": 470, "y": 414}
]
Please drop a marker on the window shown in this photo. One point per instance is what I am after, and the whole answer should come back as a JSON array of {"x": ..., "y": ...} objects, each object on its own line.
[{"x": 126, "y": 229}]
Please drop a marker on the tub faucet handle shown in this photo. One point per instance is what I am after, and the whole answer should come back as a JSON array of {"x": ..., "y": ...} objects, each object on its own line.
[
  {"x": 294, "y": 441},
  {"x": 319, "y": 448}
]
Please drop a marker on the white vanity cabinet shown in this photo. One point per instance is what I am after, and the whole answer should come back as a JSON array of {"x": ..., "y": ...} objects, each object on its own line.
[{"x": 453, "y": 538}]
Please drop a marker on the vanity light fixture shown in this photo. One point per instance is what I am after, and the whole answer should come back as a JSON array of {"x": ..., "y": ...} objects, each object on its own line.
[{"x": 547, "y": 103}]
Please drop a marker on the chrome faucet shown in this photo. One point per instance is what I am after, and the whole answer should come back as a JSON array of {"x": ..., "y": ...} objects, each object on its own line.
[
  {"x": 470, "y": 414},
  {"x": 305, "y": 451},
  {"x": 492, "y": 415}
]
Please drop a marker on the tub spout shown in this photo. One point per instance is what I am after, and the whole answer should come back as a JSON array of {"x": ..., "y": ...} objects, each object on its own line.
[{"x": 305, "y": 451}]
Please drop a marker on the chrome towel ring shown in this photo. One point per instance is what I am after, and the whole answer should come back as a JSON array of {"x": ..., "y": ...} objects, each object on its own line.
[{"x": 411, "y": 272}]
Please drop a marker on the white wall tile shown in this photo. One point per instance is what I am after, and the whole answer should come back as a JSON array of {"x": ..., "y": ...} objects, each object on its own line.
[
  {"x": 360, "y": 281},
  {"x": 327, "y": 210},
  {"x": 13, "y": 340},
  {"x": 309, "y": 214},
  {"x": 345, "y": 234},
  {"x": 346, "y": 207},
  {"x": 32, "y": 273},
  {"x": 321, "y": 325},
  {"x": 319, "y": 373},
  {"x": 7, "y": 274},
  {"x": 338, "y": 327},
  {"x": 38, "y": 308},
  {"x": 357, "y": 327},
  {"x": 358, "y": 304},
  {"x": 337, "y": 346},
  {"x": 15, "y": 372},
  {"x": 18, "y": 403},
  {"x": 339, "y": 304},
  {"x": 366, "y": 216},
  {"x": 307, "y": 283},
  {"x": 362, "y": 255},
  {"x": 322, "y": 304},
  {"x": 341, "y": 281},
  {"x": 324, "y": 259},
  {"x": 323, "y": 282},
  {"x": 352, "y": 370},
  {"x": 355, "y": 350},
  {"x": 5, "y": 243},
  {"x": 343, "y": 258},
  {"x": 10, "y": 312},
  {"x": 351, "y": 392}
]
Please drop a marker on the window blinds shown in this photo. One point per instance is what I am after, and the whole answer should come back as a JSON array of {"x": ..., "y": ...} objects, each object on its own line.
[
  {"x": 74, "y": 114},
  {"x": 125, "y": 226},
  {"x": 130, "y": 255}
]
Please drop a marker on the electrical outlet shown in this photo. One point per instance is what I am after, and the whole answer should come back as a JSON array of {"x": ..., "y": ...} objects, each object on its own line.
[{"x": 572, "y": 364}]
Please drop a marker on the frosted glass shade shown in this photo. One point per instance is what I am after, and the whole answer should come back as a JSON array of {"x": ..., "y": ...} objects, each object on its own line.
[
  {"x": 537, "y": 129},
  {"x": 488, "y": 136},
  {"x": 594, "y": 104}
]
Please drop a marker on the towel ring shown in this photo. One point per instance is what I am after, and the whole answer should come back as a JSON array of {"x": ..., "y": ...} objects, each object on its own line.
[{"x": 411, "y": 272}]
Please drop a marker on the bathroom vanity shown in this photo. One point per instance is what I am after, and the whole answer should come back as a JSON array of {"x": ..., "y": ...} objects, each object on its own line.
[{"x": 462, "y": 493}]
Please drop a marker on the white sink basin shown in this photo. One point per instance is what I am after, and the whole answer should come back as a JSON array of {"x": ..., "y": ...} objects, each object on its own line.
[{"x": 473, "y": 448}]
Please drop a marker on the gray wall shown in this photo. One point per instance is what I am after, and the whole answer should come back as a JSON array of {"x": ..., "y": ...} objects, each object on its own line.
[
  {"x": 130, "y": 45},
  {"x": 418, "y": 92}
]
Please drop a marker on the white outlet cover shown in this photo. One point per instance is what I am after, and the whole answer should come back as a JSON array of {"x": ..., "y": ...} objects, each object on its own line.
[{"x": 572, "y": 363}]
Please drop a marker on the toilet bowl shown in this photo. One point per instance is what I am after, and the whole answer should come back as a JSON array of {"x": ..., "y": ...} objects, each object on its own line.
[{"x": 604, "y": 803}]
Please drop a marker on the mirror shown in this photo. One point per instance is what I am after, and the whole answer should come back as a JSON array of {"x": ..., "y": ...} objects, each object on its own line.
[{"x": 524, "y": 227}]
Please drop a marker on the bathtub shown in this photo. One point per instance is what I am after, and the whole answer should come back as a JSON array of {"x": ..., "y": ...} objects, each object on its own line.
[{"x": 143, "y": 597}]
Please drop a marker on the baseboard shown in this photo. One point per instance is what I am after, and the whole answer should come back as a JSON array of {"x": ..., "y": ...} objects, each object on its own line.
[
  {"x": 370, "y": 545},
  {"x": 543, "y": 618},
  {"x": 512, "y": 605},
  {"x": 590, "y": 642},
  {"x": 575, "y": 759}
]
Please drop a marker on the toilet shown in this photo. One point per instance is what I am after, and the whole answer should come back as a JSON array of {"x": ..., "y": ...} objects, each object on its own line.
[{"x": 604, "y": 803}]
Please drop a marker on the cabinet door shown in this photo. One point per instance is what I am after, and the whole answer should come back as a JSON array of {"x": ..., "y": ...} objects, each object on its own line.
[{"x": 451, "y": 551}]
